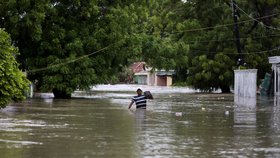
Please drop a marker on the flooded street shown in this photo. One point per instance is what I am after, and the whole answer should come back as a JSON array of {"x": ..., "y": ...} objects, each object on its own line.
[{"x": 178, "y": 123}]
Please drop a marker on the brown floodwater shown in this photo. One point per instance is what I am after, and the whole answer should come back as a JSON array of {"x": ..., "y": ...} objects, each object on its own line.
[{"x": 174, "y": 125}]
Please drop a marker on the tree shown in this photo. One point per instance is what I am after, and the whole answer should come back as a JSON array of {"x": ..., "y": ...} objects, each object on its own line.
[
  {"x": 69, "y": 45},
  {"x": 212, "y": 54},
  {"x": 205, "y": 28},
  {"x": 13, "y": 83},
  {"x": 262, "y": 33},
  {"x": 161, "y": 48},
  {"x": 64, "y": 54}
]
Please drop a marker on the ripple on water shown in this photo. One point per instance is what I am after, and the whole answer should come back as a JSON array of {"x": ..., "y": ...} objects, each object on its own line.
[
  {"x": 20, "y": 142},
  {"x": 14, "y": 127}
]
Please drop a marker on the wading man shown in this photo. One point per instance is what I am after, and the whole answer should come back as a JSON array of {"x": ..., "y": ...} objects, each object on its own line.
[{"x": 140, "y": 100}]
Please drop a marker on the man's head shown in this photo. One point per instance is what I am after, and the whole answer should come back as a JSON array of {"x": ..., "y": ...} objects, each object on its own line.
[{"x": 139, "y": 91}]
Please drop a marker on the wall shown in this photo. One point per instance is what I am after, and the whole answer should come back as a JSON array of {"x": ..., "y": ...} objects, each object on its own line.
[
  {"x": 169, "y": 81},
  {"x": 141, "y": 79},
  {"x": 161, "y": 80},
  {"x": 152, "y": 79}
]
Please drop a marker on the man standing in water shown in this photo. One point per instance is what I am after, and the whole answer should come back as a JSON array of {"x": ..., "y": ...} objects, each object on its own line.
[{"x": 140, "y": 100}]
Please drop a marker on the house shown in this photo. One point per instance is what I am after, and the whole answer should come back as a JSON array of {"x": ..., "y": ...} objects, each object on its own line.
[
  {"x": 145, "y": 75},
  {"x": 137, "y": 67}
]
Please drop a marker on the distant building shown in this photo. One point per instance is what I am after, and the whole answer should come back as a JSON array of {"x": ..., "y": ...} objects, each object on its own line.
[
  {"x": 137, "y": 67},
  {"x": 145, "y": 75}
]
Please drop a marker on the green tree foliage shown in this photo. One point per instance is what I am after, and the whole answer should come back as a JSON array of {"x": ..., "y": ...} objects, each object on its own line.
[
  {"x": 60, "y": 38},
  {"x": 211, "y": 74},
  {"x": 63, "y": 39},
  {"x": 161, "y": 49},
  {"x": 212, "y": 53},
  {"x": 205, "y": 28},
  {"x": 13, "y": 83}
]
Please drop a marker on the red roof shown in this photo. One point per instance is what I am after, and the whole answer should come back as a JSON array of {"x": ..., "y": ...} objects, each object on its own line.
[{"x": 137, "y": 67}]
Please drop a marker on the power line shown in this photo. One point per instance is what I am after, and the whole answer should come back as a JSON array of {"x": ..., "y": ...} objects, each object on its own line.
[
  {"x": 265, "y": 51},
  {"x": 219, "y": 26},
  {"x": 67, "y": 62},
  {"x": 232, "y": 39},
  {"x": 254, "y": 19},
  {"x": 176, "y": 32},
  {"x": 259, "y": 52}
]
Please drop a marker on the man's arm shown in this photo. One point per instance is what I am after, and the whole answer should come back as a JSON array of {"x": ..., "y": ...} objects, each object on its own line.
[{"x": 129, "y": 106}]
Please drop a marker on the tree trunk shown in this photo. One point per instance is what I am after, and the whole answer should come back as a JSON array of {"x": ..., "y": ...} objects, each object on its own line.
[
  {"x": 225, "y": 89},
  {"x": 61, "y": 94}
]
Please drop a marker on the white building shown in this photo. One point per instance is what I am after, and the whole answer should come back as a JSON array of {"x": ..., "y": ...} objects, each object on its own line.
[
  {"x": 156, "y": 78},
  {"x": 145, "y": 75}
]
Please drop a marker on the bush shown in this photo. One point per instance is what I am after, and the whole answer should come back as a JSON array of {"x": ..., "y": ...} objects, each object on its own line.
[{"x": 13, "y": 83}]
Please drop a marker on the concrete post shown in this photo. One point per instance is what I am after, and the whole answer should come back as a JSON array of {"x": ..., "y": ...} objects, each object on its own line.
[
  {"x": 245, "y": 83},
  {"x": 275, "y": 61},
  {"x": 245, "y": 92}
]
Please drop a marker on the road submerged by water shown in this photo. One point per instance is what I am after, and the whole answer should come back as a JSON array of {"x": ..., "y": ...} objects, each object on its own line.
[{"x": 179, "y": 123}]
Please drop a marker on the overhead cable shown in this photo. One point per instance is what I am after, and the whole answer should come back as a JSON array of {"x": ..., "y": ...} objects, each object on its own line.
[
  {"x": 220, "y": 26},
  {"x": 67, "y": 62},
  {"x": 254, "y": 19},
  {"x": 259, "y": 52}
]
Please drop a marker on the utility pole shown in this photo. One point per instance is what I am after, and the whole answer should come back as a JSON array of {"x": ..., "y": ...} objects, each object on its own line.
[{"x": 236, "y": 32}]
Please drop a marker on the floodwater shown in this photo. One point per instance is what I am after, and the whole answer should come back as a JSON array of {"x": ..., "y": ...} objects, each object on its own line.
[{"x": 178, "y": 123}]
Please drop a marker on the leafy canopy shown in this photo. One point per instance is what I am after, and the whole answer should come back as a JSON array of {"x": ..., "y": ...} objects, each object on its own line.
[
  {"x": 193, "y": 37},
  {"x": 13, "y": 83}
]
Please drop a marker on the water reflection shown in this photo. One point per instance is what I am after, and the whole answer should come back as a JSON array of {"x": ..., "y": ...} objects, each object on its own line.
[
  {"x": 276, "y": 100},
  {"x": 140, "y": 116},
  {"x": 245, "y": 111},
  {"x": 276, "y": 113}
]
